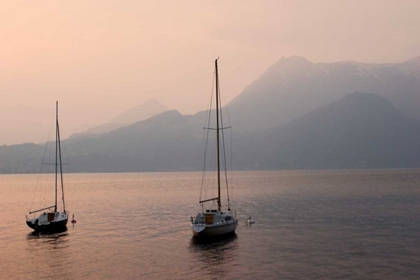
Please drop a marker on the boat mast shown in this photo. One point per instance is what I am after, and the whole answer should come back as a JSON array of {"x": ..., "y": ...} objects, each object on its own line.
[
  {"x": 56, "y": 153},
  {"x": 219, "y": 205}
]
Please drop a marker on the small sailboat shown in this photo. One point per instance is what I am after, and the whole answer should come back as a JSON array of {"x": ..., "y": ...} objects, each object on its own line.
[
  {"x": 52, "y": 220},
  {"x": 215, "y": 222}
]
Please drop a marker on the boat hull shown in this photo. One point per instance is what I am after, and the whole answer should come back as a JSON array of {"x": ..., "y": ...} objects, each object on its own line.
[
  {"x": 42, "y": 224},
  {"x": 202, "y": 230},
  {"x": 51, "y": 227}
]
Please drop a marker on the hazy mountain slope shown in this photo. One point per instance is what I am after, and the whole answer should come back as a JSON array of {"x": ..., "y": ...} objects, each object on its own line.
[
  {"x": 360, "y": 130},
  {"x": 144, "y": 111},
  {"x": 164, "y": 142},
  {"x": 297, "y": 115},
  {"x": 23, "y": 158},
  {"x": 295, "y": 86}
]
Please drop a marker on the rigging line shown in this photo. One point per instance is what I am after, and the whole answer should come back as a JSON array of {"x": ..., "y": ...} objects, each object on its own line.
[
  {"x": 213, "y": 169},
  {"x": 231, "y": 163},
  {"x": 210, "y": 178},
  {"x": 226, "y": 171},
  {"x": 227, "y": 113},
  {"x": 204, "y": 163},
  {"x": 67, "y": 174},
  {"x": 225, "y": 165},
  {"x": 208, "y": 185},
  {"x": 231, "y": 142},
  {"x": 206, "y": 135},
  {"x": 40, "y": 168},
  {"x": 61, "y": 168},
  {"x": 63, "y": 144},
  {"x": 223, "y": 143},
  {"x": 208, "y": 113}
]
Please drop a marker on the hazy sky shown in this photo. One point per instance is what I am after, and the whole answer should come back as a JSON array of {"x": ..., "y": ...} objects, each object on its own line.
[{"x": 99, "y": 58}]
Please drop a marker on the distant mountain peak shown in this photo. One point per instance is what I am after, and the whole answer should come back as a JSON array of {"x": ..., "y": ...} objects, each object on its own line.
[
  {"x": 169, "y": 113},
  {"x": 294, "y": 86},
  {"x": 287, "y": 68},
  {"x": 294, "y": 59},
  {"x": 146, "y": 110}
]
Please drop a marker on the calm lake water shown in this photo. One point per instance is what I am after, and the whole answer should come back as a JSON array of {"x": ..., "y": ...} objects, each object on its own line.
[{"x": 309, "y": 225}]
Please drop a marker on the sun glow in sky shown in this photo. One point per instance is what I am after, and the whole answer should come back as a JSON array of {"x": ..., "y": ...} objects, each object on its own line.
[{"x": 100, "y": 58}]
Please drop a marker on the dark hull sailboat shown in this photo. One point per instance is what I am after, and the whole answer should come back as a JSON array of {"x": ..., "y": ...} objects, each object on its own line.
[
  {"x": 43, "y": 223},
  {"x": 52, "y": 220},
  {"x": 212, "y": 223}
]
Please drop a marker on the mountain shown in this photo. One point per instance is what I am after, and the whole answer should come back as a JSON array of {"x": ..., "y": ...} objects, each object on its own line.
[
  {"x": 359, "y": 130},
  {"x": 164, "y": 142},
  {"x": 295, "y": 86},
  {"x": 297, "y": 115},
  {"x": 22, "y": 158},
  {"x": 146, "y": 110}
]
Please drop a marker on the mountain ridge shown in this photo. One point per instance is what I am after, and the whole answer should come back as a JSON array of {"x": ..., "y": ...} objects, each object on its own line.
[
  {"x": 360, "y": 130},
  {"x": 268, "y": 127},
  {"x": 294, "y": 86},
  {"x": 147, "y": 109}
]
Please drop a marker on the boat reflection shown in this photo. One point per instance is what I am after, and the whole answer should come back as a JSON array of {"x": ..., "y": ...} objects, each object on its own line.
[
  {"x": 39, "y": 233},
  {"x": 220, "y": 252},
  {"x": 53, "y": 234},
  {"x": 216, "y": 240},
  {"x": 58, "y": 239},
  {"x": 51, "y": 253}
]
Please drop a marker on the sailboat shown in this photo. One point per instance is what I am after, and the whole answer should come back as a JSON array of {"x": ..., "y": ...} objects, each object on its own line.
[
  {"x": 215, "y": 222},
  {"x": 52, "y": 220}
]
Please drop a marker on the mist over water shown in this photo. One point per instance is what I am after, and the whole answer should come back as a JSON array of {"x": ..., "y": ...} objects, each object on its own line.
[{"x": 309, "y": 224}]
